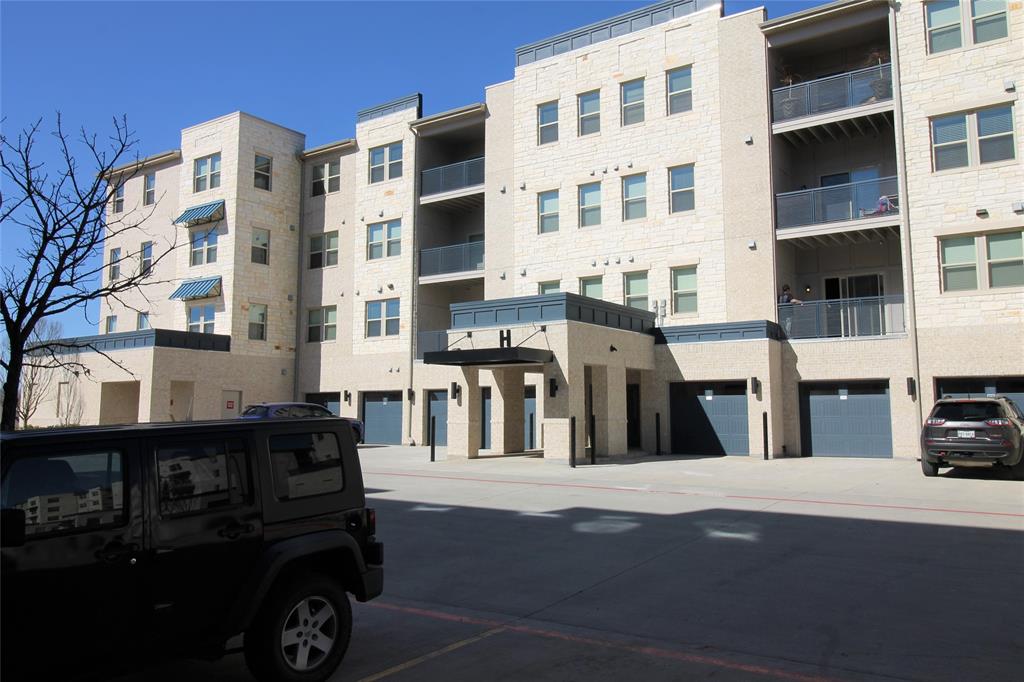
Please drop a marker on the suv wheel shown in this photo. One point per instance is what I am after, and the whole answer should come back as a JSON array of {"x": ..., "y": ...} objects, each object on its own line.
[
  {"x": 928, "y": 468},
  {"x": 302, "y": 632}
]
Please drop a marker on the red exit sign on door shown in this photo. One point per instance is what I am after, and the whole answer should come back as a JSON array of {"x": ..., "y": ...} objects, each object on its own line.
[{"x": 231, "y": 405}]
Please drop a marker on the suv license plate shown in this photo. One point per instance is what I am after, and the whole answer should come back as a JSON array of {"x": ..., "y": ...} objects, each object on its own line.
[{"x": 964, "y": 434}]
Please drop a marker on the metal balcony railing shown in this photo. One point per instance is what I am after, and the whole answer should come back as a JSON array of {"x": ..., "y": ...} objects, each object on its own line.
[
  {"x": 452, "y": 177},
  {"x": 843, "y": 317},
  {"x": 427, "y": 342},
  {"x": 446, "y": 260},
  {"x": 852, "y": 201},
  {"x": 844, "y": 91}
]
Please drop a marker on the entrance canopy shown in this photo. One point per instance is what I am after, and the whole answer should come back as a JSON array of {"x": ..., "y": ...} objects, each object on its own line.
[{"x": 488, "y": 357}]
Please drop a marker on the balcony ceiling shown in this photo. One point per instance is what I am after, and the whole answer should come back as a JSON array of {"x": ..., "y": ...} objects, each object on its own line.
[
  {"x": 457, "y": 201},
  {"x": 866, "y": 236},
  {"x": 852, "y": 127}
]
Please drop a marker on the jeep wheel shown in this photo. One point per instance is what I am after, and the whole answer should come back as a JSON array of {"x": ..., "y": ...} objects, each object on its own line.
[
  {"x": 302, "y": 632},
  {"x": 928, "y": 468}
]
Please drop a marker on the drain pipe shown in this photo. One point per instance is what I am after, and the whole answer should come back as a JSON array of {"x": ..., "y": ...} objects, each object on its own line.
[{"x": 298, "y": 288}]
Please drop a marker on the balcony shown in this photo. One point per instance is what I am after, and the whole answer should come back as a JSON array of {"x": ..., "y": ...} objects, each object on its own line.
[
  {"x": 428, "y": 342},
  {"x": 455, "y": 179},
  {"x": 450, "y": 260},
  {"x": 851, "y": 90},
  {"x": 867, "y": 200},
  {"x": 843, "y": 318}
]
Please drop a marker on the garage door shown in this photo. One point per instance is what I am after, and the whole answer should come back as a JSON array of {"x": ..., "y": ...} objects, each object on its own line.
[
  {"x": 382, "y": 417},
  {"x": 845, "y": 419},
  {"x": 967, "y": 387},
  {"x": 709, "y": 418},
  {"x": 437, "y": 406}
]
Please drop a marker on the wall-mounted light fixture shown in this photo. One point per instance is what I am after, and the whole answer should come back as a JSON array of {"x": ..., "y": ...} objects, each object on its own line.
[
  {"x": 522, "y": 273},
  {"x": 455, "y": 391},
  {"x": 749, "y": 139},
  {"x": 752, "y": 245},
  {"x": 552, "y": 387},
  {"x": 981, "y": 213},
  {"x": 348, "y": 397},
  {"x": 613, "y": 349},
  {"x": 755, "y": 386},
  {"x": 807, "y": 288},
  {"x": 522, "y": 185},
  {"x": 410, "y": 394},
  {"x": 911, "y": 387}
]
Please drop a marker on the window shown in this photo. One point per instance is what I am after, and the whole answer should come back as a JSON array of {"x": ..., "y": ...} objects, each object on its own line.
[
  {"x": 636, "y": 290},
  {"x": 383, "y": 239},
  {"x": 142, "y": 321},
  {"x": 323, "y": 250},
  {"x": 200, "y": 475},
  {"x": 684, "y": 290},
  {"x": 149, "y": 193},
  {"x": 995, "y": 134},
  {"x": 146, "y": 258},
  {"x": 547, "y": 122},
  {"x": 326, "y": 178},
  {"x": 305, "y": 464},
  {"x": 634, "y": 196},
  {"x": 547, "y": 212},
  {"x": 589, "y": 104},
  {"x": 382, "y": 314},
  {"x": 206, "y": 173},
  {"x": 386, "y": 162},
  {"x": 114, "y": 270},
  {"x": 260, "y": 251},
  {"x": 1005, "y": 259},
  {"x": 201, "y": 318},
  {"x": 262, "y": 172},
  {"x": 552, "y": 287},
  {"x": 119, "y": 199},
  {"x": 257, "y": 322},
  {"x": 972, "y": 138},
  {"x": 949, "y": 142},
  {"x": 988, "y": 20},
  {"x": 680, "y": 183},
  {"x": 111, "y": 324},
  {"x": 592, "y": 287},
  {"x": 67, "y": 492},
  {"x": 943, "y": 25},
  {"x": 632, "y": 95},
  {"x": 322, "y": 325},
  {"x": 590, "y": 204},
  {"x": 959, "y": 264},
  {"x": 204, "y": 247},
  {"x": 679, "y": 90}
]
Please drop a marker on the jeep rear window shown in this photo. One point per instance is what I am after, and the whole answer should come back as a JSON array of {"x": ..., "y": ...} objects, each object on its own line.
[
  {"x": 305, "y": 464},
  {"x": 967, "y": 412},
  {"x": 198, "y": 475}
]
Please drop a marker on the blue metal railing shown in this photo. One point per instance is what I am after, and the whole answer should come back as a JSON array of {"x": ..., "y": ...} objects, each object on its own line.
[
  {"x": 852, "y": 201},
  {"x": 428, "y": 342},
  {"x": 843, "y": 317},
  {"x": 452, "y": 177},
  {"x": 847, "y": 90},
  {"x": 446, "y": 260}
]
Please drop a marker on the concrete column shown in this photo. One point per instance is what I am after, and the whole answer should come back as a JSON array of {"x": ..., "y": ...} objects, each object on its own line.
[
  {"x": 597, "y": 378},
  {"x": 569, "y": 401},
  {"x": 507, "y": 410},
  {"x": 615, "y": 398},
  {"x": 464, "y": 417},
  {"x": 654, "y": 399}
]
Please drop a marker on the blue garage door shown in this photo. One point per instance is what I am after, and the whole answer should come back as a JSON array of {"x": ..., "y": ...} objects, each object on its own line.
[
  {"x": 845, "y": 419},
  {"x": 382, "y": 417},
  {"x": 709, "y": 418},
  {"x": 973, "y": 387},
  {"x": 437, "y": 406},
  {"x": 530, "y": 418}
]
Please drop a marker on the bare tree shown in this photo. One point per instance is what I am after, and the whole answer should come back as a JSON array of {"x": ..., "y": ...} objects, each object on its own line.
[
  {"x": 36, "y": 379},
  {"x": 63, "y": 212}
]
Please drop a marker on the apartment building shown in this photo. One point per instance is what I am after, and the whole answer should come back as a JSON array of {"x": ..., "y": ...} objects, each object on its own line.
[{"x": 590, "y": 260}]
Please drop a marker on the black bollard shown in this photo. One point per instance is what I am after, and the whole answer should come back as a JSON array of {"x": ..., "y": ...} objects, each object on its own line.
[
  {"x": 433, "y": 436},
  {"x": 764, "y": 431},
  {"x": 572, "y": 442},
  {"x": 657, "y": 434}
]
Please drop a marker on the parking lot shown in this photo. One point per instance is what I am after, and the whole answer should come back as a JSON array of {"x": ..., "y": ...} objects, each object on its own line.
[{"x": 683, "y": 568}]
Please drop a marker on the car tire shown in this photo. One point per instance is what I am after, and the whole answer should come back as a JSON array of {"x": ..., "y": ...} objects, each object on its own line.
[
  {"x": 286, "y": 640},
  {"x": 928, "y": 468}
]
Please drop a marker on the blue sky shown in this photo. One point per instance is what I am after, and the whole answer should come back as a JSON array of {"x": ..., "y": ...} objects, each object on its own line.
[{"x": 168, "y": 65}]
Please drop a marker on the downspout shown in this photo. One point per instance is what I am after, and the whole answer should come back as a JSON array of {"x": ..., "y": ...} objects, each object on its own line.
[
  {"x": 413, "y": 288},
  {"x": 908, "y": 262},
  {"x": 299, "y": 273}
]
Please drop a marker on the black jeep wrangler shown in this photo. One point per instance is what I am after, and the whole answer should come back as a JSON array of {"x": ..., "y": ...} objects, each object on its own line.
[{"x": 135, "y": 542}]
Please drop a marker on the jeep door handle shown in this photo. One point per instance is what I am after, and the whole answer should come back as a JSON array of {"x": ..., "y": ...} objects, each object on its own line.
[
  {"x": 235, "y": 530},
  {"x": 115, "y": 551}
]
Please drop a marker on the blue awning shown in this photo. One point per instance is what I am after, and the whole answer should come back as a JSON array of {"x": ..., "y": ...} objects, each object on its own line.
[
  {"x": 202, "y": 214},
  {"x": 197, "y": 288}
]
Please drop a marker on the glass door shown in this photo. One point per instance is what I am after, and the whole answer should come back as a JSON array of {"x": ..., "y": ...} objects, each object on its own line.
[{"x": 858, "y": 308}]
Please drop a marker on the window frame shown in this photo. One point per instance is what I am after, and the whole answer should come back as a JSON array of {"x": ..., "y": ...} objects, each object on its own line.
[
  {"x": 324, "y": 326},
  {"x": 542, "y": 287},
  {"x": 929, "y": 30},
  {"x": 262, "y": 325},
  {"x": 254, "y": 247},
  {"x": 582, "y": 208},
  {"x": 268, "y": 173},
  {"x": 206, "y": 321},
  {"x": 627, "y": 296},
  {"x": 966, "y": 23},
  {"x": 626, "y": 201},
  {"x": 210, "y": 178},
  {"x": 583, "y": 282},
  {"x": 989, "y": 261},
  {"x": 691, "y": 189},
  {"x": 118, "y": 199},
  {"x": 388, "y": 163},
  {"x": 110, "y": 324},
  {"x": 206, "y": 253},
  {"x": 594, "y": 115},
  {"x": 149, "y": 189},
  {"x": 114, "y": 264},
  {"x": 975, "y": 18},
  {"x": 669, "y": 93},
  {"x": 684, "y": 292},
  {"x": 383, "y": 318},
  {"x": 146, "y": 258},
  {"x": 542, "y": 127},
  {"x": 973, "y": 138},
  {"x": 329, "y": 181},
  {"x": 324, "y": 251},
  {"x": 390, "y": 246},
  {"x": 541, "y": 215},
  {"x": 140, "y": 317},
  {"x": 623, "y": 105}
]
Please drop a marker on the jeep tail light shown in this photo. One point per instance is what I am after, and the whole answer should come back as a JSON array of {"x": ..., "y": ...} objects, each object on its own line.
[
  {"x": 935, "y": 421},
  {"x": 998, "y": 421},
  {"x": 371, "y": 521}
]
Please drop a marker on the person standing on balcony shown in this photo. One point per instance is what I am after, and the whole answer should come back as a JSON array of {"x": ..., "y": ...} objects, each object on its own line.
[{"x": 786, "y": 299}]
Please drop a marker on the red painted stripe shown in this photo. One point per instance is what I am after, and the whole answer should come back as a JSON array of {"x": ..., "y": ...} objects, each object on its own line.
[
  {"x": 606, "y": 644},
  {"x": 679, "y": 492}
]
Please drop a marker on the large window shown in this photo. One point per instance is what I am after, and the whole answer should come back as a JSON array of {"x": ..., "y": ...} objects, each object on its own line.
[
  {"x": 972, "y": 138},
  {"x": 589, "y": 104},
  {"x": 547, "y": 211},
  {"x": 945, "y": 20},
  {"x": 592, "y": 287},
  {"x": 547, "y": 122},
  {"x": 943, "y": 25},
  {"x": 149, "y": 193},
  {"x": 146, "y": 258},
  {"x": 386, "y": 162},
  {"x": 206, "y": 173},
  {"x": 632, "y": 95},
  {"x": 201, "y": 318},
  {"x": 382, "y": 318},
  {"x": 111, "y": 324},
  {"x": 552, "y": 287},
  {"x": 680, "y": 183},
  {"x": 305, "y": 464},
  {"x": 257, "y": 322},
  {"x": 326, "y": 178},
  {"x": 636, "y": 290},
  {"x": 988, "y": 20},
  {"x": 323, "y": 250},
  {"x": 119, "y": 199},
  {"x": 322, "y": 324},
  {"x": 590, "y": 204},
  {"x": 684, "y": 290},
  {"x": 114, "y": 268},
  {"x": 260, "y": 250},
  {"x": 383, "y": 240},
  {"x": 204, "y": 247},
  {"x": 995, "y": 134},
  {"x": 262, "y": 172},
  {"x": 198, "y": 475},
  {"x": 634, "y": 196},
  {"x": 1005, "y": 253},
  {"x": 679, "y": 90}
]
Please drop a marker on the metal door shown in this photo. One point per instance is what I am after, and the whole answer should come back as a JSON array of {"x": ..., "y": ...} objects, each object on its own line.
[
  {"x": 437, "y": 406},
  {"x": 845, "y": 419},
  {"x": 975, "y": 387},
  {"x": 485, "y": 418},
  {"x": 530, "y": 418},
  {"x": 709, "y": 418},
  {"x": 382, "y": 417},
  {"x": 230, "y": 404},
  {"x": 633, "y": 433}
]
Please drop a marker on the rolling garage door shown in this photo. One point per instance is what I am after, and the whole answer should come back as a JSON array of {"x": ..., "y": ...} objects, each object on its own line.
[
  {"x": 437, "y": 406},
  {"x": 709, "y": 418},
  {"x": 973, "y": 387},
  {"x": 845, "y": 419},
  {"x": 382, "y": 417}
]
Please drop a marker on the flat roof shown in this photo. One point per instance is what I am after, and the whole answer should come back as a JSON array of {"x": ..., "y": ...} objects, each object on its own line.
[
  {"x": 337, "y": 146},
  {"x": 466, "y": 111}
]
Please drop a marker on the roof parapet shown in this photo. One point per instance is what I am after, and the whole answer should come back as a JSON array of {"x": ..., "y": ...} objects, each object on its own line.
[{"x": 414, "y": 100}]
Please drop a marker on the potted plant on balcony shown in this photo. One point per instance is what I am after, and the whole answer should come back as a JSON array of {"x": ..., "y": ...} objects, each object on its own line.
[
  {"x": 881, "y": 81},
  {"x": 791, "y": 102}
]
